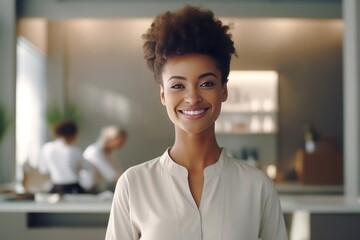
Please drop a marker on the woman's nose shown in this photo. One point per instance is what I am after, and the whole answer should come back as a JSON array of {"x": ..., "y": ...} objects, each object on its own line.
[{"x": 193, "y": 97}]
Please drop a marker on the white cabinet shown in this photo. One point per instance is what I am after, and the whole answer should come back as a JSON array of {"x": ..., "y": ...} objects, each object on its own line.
[
  {"x": 232, "y": 122},
  {"x": 249, "y": 117},
  {"x": 251, "y": 107}
]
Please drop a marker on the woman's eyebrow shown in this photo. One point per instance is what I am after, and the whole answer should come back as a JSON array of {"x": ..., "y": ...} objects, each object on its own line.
[
  {"x": 177, "y": 77},
  {"x": 200, "y": 76},
  {"x": 207, "y": 74}
]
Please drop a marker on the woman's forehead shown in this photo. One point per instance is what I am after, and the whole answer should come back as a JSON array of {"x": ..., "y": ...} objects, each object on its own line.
[{"x": 189, "y": 64}]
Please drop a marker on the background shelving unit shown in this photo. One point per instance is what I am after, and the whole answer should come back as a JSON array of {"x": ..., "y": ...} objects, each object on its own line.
[{"x": 249, "y": 117}]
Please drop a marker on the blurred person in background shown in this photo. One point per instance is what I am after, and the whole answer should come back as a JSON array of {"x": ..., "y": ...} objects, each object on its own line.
[
  {"x": 62, "y": 160},
  {"x": 101, "y": 155}
]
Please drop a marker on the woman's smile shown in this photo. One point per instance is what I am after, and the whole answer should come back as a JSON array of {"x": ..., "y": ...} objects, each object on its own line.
[{"x": 194, "y": 113}]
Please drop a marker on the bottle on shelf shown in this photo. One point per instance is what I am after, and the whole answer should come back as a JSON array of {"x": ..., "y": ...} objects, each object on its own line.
[
  {"x": 255, "y": 125},
  {"x": 252, "y": 157},
  {"x": 244, "y": 154},
  {"x": 268, "y": 124},
  {"x": 310, "y": 139}
]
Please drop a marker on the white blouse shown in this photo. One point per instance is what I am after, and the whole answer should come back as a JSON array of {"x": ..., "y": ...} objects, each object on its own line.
[
  {"x": 103, "y": 164},
  {"x": 152, "y": 201},
  {"x": 62, "y": 161}
]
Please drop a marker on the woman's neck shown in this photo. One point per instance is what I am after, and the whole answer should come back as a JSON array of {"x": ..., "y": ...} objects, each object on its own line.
[{"x": 195, "y": 151}]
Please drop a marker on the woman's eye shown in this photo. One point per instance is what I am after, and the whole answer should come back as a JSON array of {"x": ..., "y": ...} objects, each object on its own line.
[
  {"x": 177, "y": 86},
  {"x": 207, "y": 84}
]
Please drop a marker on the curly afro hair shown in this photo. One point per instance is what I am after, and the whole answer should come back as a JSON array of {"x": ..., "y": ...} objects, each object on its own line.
[{"x": 188, "y": 30}]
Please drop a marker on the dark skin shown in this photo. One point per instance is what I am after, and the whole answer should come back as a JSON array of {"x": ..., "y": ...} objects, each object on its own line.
[
  {"x": 192, "y": 93},
  {"x": 186, "y": 149}
]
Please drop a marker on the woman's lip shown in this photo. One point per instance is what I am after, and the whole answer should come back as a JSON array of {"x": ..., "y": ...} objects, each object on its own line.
[{"x": 194, "y": 112}]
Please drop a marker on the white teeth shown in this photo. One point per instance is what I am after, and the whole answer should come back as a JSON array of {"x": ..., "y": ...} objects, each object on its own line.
[{"x": 197, "y": 112}]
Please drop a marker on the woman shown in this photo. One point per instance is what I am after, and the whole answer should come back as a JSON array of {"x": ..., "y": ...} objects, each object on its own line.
[
  {"x": 195, "y": 190},
  {"x": 99, "y": 155},
  {"x": 62, "y": 160}
]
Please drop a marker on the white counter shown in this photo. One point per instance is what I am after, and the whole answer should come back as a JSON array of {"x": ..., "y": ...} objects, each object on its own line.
[
  {"x": 319, "y": 204},
  {"x": 61, "y": 207},
  {"x": 93, "y": 204},
  {"x": 51, "y": 203}
]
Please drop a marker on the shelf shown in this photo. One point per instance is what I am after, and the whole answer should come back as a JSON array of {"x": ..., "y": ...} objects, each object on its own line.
[
  {"x": 248, "y": 124},
  {"x": 252, "y": 106},
  {"x": 299, "y": 188}
]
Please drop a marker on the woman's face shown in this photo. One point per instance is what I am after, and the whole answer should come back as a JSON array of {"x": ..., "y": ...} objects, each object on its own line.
[{"x": 192, "y": 92}]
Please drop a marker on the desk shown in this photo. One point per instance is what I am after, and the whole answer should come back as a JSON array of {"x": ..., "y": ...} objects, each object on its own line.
[
  {"x": 320, "y": 217},
  {"x": 75, "y": 204}
]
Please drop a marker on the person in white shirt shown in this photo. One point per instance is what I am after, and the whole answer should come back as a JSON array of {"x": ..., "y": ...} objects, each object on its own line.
[
  {"x": 62, "y": 160},
  {"x": 195, "y": 190},
  {"x": 100, "y": 156}
]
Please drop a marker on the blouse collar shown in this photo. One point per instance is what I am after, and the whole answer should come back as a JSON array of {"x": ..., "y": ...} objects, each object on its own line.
[{"x": 176, "y": 169}]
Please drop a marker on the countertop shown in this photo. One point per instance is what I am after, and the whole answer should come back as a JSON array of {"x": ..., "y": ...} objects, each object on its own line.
[
  {"x": 319, "y": 204},
  {"x": 96, "y": 204},
  {"x": 53, "y": 203}
]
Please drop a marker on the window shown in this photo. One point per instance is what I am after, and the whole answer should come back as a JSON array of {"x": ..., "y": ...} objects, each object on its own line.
[{"x": 30, "y": 104}]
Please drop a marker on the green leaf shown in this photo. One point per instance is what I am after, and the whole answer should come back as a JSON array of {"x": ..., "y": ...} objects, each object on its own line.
[
  {"x": 55, "y": 114},
  {"x": 4, "y": 122}
]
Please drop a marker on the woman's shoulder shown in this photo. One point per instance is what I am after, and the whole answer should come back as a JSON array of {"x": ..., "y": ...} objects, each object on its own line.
[
  {"x": 138, "y": 176},
  {"x": 91, "y": 151},
  {"x": 143, "y": 168},
  {"x": 92, "y": 148},
  {"x": 51, "y": 144}
]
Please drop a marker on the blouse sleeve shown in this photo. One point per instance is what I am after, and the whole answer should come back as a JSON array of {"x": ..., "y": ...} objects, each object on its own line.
[
  {"x": 102, "y": 164},
  {"x": 120, "y": 226},
  {"x": 272, "y": 222},
  {"x": 42, "y": 167}
]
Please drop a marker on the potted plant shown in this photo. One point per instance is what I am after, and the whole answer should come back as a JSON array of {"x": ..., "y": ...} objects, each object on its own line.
[
  {"x": 4, "y": 122},
  {"x": 56, "y": 114}
]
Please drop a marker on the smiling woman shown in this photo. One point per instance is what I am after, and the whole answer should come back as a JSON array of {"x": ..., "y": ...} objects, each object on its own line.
[{"x": 195, "y": 190}]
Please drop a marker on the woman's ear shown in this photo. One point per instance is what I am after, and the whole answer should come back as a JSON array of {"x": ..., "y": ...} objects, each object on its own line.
[
  {"x": 162, "y": 95},
  {"x": 224, "y": 93}
]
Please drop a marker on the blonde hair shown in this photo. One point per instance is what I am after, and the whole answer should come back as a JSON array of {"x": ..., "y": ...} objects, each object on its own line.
[{"x": 110, "y": 132}]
